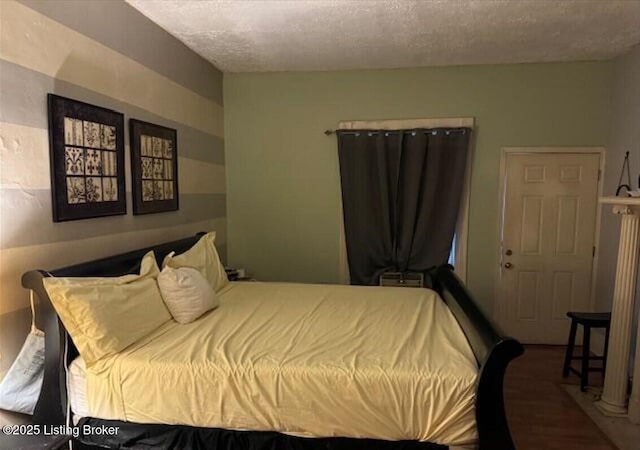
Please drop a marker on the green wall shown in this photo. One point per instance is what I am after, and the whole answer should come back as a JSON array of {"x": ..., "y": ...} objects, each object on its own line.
[{"x": 282, "y": 171}]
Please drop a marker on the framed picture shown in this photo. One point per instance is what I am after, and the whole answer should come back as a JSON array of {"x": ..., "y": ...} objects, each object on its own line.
[
  {"x": 87, "y": 160},
  {"x": 154, "y": 167}
]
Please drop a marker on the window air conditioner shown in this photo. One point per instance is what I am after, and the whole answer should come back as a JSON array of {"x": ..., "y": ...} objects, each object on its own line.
[{"x": 402, "y": 279}]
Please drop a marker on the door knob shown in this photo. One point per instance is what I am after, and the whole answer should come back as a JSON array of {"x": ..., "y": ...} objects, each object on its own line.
[
  {"x": 508, "y": 265},
  {"x": 508, "y": 252}
]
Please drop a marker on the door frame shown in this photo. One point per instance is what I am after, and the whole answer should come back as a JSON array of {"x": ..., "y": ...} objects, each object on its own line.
[{"x": 499, "y": 306}]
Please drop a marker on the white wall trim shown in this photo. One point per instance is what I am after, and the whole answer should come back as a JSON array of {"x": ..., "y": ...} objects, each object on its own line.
[
  {"x": 462, "y": 226},
  {"x": 499, "y": 308}
]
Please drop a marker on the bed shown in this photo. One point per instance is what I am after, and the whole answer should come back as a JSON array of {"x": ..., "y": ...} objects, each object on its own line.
[{"x": 282, "y": 365}]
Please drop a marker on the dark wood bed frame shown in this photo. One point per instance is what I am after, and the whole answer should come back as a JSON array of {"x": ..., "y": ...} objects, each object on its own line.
[{"x": 492, "y": 350}]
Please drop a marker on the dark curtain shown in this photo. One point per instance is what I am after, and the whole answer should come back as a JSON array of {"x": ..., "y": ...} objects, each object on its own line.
[{"x": 401, "y": 195}]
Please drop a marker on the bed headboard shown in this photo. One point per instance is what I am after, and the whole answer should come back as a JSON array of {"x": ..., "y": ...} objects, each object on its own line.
[{"x": 50, "y": 408}]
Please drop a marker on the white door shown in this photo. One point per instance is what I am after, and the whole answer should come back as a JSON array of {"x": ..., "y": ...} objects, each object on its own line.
[{"x": 548, "y": 232}]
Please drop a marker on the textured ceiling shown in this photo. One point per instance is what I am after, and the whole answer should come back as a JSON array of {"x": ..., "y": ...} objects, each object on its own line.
[{"x": 277, "y": 35}]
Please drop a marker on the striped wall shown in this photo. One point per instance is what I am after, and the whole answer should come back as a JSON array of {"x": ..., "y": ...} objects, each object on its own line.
[{"x": 108, "y": 54}]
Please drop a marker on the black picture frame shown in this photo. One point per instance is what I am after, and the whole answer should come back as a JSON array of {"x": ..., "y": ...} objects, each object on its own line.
[
  {"x": 86, "y": 149},
  {"x": 154, "y": 167}
]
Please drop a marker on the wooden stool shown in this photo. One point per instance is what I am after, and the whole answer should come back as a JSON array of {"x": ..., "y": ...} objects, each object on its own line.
[{"x": 588, "y": 321}]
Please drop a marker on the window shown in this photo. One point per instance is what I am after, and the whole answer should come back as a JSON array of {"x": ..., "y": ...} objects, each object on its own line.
[{"x": 452, "y": 255}]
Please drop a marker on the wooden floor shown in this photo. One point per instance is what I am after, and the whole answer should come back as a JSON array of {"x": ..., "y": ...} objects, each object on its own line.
[{"x": 542, "y": 416}]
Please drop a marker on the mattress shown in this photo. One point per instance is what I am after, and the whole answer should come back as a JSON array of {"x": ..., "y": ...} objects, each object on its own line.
[
  {"x": 77, "y": 388},
  {"x": 309, "y": 360}
]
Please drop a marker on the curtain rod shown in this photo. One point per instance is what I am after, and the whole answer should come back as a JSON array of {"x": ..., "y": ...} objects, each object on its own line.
[{"x": 388, "y": 132}]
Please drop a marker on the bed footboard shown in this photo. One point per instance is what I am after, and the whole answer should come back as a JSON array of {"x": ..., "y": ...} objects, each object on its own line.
[{"x": 493, "y": 352}]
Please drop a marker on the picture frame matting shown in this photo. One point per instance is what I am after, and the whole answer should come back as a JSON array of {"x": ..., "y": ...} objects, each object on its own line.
[
  {"x": 86, "y": 150},
  {"x": 154, "y": 167}
]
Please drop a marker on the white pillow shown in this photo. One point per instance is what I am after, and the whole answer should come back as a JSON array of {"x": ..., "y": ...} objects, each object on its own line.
[
  {"x": 186, "y": 293},
  {"x": 203, "y": 256}
]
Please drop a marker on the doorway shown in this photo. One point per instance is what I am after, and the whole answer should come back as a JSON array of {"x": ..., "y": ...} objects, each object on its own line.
[{"x": 548, "y": 232}]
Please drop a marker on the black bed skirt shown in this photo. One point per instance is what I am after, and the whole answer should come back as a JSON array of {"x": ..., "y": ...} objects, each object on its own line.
[{"x": 181, "y": 437}]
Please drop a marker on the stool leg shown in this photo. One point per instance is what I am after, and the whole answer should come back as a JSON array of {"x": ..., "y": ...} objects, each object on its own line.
[
  {"x": 569, "y": 353},
  {"x": 584, "y": 375},
  {"x": 606, "y": 351}
]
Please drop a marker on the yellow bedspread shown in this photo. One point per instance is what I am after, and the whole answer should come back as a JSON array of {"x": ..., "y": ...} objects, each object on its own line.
[{"x": 313, "y": 360}]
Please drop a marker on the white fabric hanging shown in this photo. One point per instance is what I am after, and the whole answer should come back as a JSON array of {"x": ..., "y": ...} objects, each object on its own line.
[{"x": 20, "y": 388}]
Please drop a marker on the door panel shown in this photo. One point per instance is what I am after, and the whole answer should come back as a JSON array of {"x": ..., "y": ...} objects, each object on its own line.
[
  {"x": 549, "y": 219},
  {"x": 567, "y": 232},
  {"x": 528, "y": 295},
  {"x": 563, "y": 295},
  {"x": 531, "y": 229}
]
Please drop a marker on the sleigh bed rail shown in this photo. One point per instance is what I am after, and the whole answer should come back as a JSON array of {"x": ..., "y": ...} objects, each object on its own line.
[
  {"x": 493, "y": 353},
  {"x": 492, "y": 350}
]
